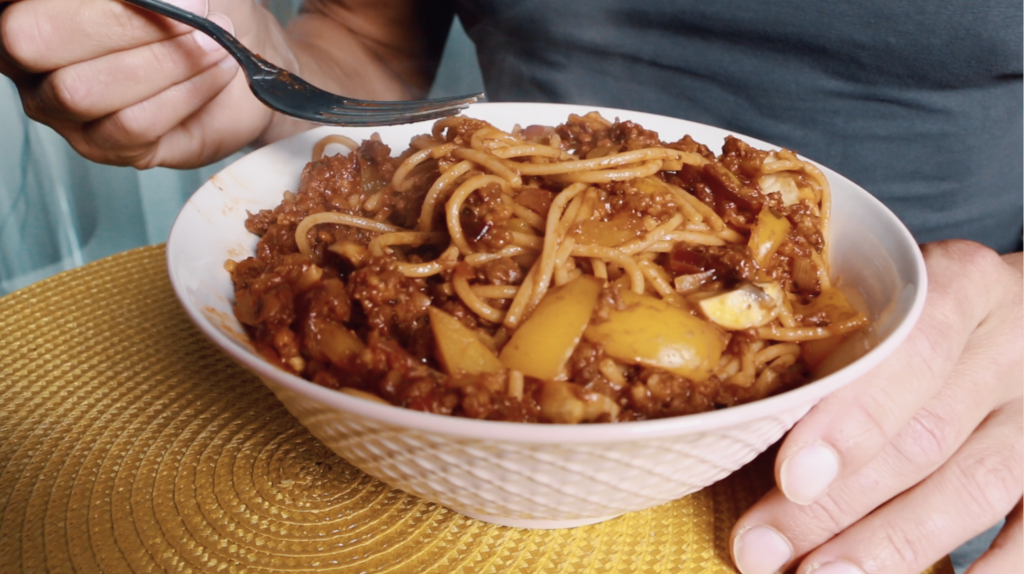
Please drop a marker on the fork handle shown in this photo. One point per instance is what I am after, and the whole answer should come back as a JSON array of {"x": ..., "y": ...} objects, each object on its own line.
[{"x": 238, "y": 51}]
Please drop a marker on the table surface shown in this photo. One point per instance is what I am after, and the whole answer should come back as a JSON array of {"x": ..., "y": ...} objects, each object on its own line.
[{"x": 128, "y": 443}]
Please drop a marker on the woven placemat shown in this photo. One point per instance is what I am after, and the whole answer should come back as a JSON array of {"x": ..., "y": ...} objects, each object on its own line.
[{"x": 128, "y": 443}]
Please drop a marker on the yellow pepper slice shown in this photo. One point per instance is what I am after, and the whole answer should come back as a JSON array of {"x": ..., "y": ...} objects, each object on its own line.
[
  {"x": 459, "y": 350},
  {"x": 651, "y": 332},
  {"x": 546, "y": 340},
  {"x": 768, "y": 234}
]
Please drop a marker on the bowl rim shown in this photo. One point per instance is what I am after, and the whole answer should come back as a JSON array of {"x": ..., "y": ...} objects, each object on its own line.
[{"x": 544, "y": 433}]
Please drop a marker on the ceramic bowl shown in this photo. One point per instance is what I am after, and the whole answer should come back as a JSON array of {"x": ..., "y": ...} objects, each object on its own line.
[{"x": 536, "y": 475}]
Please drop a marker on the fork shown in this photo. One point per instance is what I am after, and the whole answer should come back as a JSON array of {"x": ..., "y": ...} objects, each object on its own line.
[{"x": 289, "y": 94}]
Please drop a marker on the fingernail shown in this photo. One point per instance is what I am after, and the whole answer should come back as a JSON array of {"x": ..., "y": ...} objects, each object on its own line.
[
  {"x": 837, "y": 568},
  {"x": 761, "y": 550},
  {"x": 209, "y": 44},
  {"x": 807, "y": 474},
  {"x": 200, "y": 7}
]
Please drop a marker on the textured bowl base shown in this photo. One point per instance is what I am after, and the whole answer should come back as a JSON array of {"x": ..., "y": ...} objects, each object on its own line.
[
  {"x": 129, "y": 443},
  {"x": 537, "y": 524}
]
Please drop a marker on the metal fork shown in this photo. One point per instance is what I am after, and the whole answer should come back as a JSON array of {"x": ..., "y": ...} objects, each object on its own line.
[{"x": 291, "y": 95}]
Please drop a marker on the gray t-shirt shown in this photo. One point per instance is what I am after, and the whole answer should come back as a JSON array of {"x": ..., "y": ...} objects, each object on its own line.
[{"x": 919, "y": 102}]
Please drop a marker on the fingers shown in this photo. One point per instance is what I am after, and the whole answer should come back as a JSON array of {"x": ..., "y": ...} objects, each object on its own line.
[
  {"x": 233, "y": 113},
  {"x": 45, "y": 35},
  {"x": 173, "y": 129},
  {"x": 127, "y": 87},
  {"x": 926, "y": 442},
  {"x": 882, "y": 435},
  {"x": 129, "y": 136},
  {"x": 849, "y": 428},
  {"x": 92, "y": 89},
  {"x": 76, "y": 62},
  {"x": 968, "y": 494},
  {"x": 964, "y": 497},
  {"x": 1007, "y": 551},
  {"x": 8, "y": 66}
]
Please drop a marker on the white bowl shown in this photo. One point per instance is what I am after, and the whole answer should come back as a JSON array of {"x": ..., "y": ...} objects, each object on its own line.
[{"x": 534, "y": 475}]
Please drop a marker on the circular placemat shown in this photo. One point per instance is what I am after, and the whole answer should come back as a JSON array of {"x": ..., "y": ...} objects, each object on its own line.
[{"x": 128, "y": 443}]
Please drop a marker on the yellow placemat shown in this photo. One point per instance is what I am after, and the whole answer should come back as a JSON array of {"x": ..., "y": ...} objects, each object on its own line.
[{"x": 128, "y": 443}]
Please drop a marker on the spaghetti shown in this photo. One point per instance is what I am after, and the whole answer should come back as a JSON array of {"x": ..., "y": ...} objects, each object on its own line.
[{"x": 588, "y": 272}]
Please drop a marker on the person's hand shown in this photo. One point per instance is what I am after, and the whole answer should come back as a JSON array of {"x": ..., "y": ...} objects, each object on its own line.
[
  {"x": 127, "y": 87},
  {"x": 899, "y": 468}
]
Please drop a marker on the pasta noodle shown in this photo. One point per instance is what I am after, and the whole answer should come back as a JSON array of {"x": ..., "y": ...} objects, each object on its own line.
[{"x": 586, "y": 272}]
